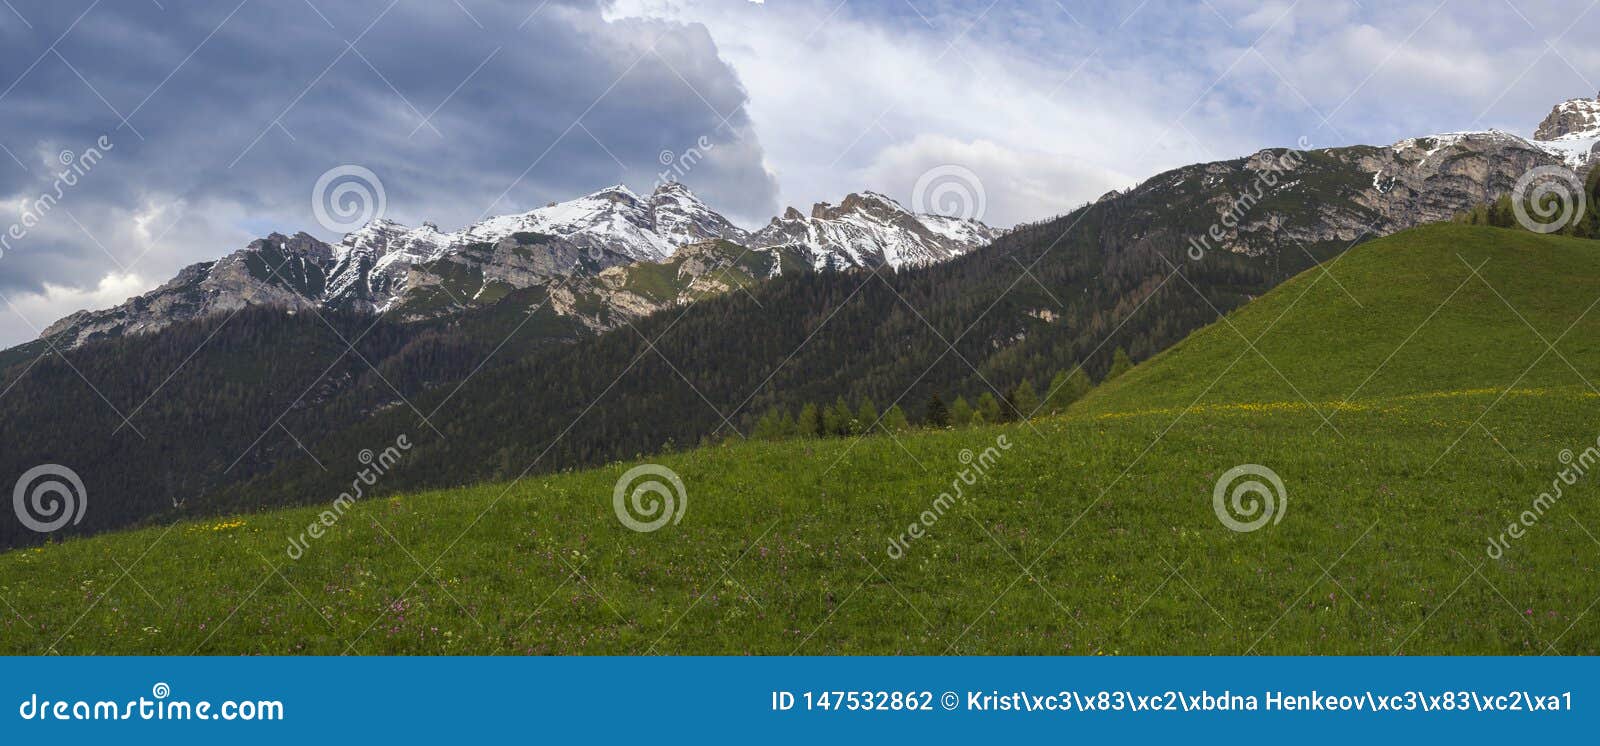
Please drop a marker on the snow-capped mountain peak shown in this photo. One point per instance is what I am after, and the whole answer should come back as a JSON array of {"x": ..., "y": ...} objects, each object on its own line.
[
  {"x": 1574, "y": 119},
  {"x": 681, "y": 218},
  {"x": 616, "y": 225},
  {"x": 1572, "y": 131},
  {"x": 872, "y": 229}
]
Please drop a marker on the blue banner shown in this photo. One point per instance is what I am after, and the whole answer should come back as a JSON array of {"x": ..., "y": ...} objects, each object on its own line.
[{"x": 794, "y": 700}]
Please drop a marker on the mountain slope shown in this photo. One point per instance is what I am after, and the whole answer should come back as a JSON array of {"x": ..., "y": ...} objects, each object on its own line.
[
  {"x": 1481, "y": 342},
  {"x": 277, "y": 271},
  {"x": 1362, "y": 190},
  {"x": 499, "y": 402},
  {"x": 671, "y": 366},
  {"x": 1093, "y": 533}
]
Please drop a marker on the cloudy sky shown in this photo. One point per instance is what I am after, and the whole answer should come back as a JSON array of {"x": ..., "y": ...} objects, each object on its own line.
[{"x": 221, "y": 116}]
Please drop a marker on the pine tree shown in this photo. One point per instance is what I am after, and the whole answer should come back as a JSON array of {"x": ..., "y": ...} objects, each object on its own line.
[
  {"x": 961, "y": 412},
  {"x": 936, "y": 415},
  {"x": 769, "y": 427},
  {"x": 866, "y": 416},
  {"x": 1502, "y": 214},
  {"x": 810, "y": 424},
  {"x": 1079, "y": 384},
  {"x": 1120, "y": 363},
  {"x": 989, "y": 409},
  {"x": 1024, "y": 400},
  {"x": 1589, "y": 226},
  {"x": 894, "y": 420},
  {"x": 1055, "y": 397},
  {"x": 1067, "y": 389},
  {"x": 836, "y": 420}
]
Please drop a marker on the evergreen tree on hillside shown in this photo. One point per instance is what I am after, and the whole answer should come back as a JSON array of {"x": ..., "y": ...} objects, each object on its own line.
[
  {"x": 1589, "y": 225},
  {"x": 989, "y": 409},
  {"x": 836, "y": 420},
  {"x": 1554, "y": 205},
  {"x": 1079, "y": 384},
  {"x": 770, "y": 426},
  {"x": 1055, "y": 396},
  {"x": 1120, "y": 363},
  {"x": 810, "y": 422},
  {"x": 866, "y": 416},
  {"x": 1024, "y": 401},
  {"x": 936, "y": 415},
  {"x": 1502, "y": 214},
  {"x": 961, "y": 412},
  {"x": 895, "y": 421}
]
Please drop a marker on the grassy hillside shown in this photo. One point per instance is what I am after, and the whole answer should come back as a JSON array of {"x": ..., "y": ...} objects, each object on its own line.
[{"x": 1411, "y": 409}]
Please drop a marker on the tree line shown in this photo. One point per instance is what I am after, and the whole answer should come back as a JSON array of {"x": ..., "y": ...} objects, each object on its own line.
[
  {"x": 1580, "y": 211},
  {"x": 1021, "y": 402}
]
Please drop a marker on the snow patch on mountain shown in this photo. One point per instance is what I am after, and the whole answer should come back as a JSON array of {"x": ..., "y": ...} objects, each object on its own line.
[
  {"x": 1572, "y": 131},
  {"x": 1574, "y": 119},
  {"x": 1576, "y": 150},
  {"x": 869, "y": 230},
  {"x": 612, "y": 226}
]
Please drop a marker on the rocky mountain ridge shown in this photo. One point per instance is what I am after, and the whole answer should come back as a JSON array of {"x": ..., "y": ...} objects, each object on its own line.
[
  {"x": 1573, "y": 119},
  {"x": 613, "y": 255},
  {"x": 583, "y": 249}
]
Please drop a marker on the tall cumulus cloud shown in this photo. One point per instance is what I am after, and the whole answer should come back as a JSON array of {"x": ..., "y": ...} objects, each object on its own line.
[{"x": 220, "y": 117}]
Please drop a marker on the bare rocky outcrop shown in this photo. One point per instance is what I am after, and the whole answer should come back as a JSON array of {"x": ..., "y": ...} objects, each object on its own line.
[
  {"x": 1572, "y": 119},
  {"x": 280, "y": 271},
  {"x": 603, "y": 244},
  {"x": 1284, "y": 200},
  {"x": 871, "y": 230}
]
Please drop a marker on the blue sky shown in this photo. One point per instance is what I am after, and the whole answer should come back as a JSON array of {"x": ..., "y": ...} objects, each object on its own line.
[{"x": 224, "y": 114}]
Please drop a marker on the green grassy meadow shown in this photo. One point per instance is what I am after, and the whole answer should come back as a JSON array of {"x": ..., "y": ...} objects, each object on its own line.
[{"x": 1411, "y": 408}]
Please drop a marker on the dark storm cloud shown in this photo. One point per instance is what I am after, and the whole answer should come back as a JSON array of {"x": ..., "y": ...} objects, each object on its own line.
[{"x": 221, "y": 117}]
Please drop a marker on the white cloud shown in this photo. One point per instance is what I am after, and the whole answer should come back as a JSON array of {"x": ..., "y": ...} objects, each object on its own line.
[
  {"x": 1048, "y": 109},
  {"x": 1015, "y": 185},
  {"x": 846, "y": 96},
  {"x": 30, "y": 313},
  {"x": 846, "y": 102}
]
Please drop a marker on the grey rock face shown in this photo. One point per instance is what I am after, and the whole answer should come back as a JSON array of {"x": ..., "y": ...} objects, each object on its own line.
[
  {"x": 423, "y": 273},
  {"x": 288, "y": 272},
  {"x": 872, "y": 230},
  {"x": 1576, "y": 118},
  {"x": 1278, "y": 200}
]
